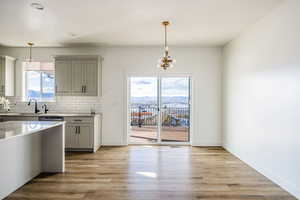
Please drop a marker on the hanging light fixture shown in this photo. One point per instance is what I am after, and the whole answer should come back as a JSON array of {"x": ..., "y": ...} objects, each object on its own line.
[
  {"x": 166, "y": 61},
  {"x": 30, "y": 44},
  {"x": 29, "y": 64}
]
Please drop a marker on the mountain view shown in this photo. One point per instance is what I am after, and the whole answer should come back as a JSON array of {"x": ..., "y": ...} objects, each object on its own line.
[{"x": 165, "y": 100}]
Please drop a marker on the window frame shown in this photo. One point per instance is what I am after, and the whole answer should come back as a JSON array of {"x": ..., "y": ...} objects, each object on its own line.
[{"x": 41, "y": 99}]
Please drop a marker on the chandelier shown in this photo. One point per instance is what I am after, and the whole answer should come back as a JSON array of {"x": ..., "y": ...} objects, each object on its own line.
[{"x": 166, "y": 61}]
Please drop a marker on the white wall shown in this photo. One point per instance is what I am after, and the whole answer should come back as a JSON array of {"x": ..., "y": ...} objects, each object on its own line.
[
  {"x": 203, "y": 63},
  {"x": 261, "y": 96}
]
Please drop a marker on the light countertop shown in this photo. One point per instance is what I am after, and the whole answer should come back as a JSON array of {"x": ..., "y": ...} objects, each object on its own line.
[
  {"x": 49, "y": 114},
  {"x": 12, "y": 129}
]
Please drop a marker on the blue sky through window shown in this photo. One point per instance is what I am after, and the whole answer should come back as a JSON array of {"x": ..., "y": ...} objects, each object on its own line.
[
  {"x": 171, "y": 86},
  {"x": 40, "y": 85}
]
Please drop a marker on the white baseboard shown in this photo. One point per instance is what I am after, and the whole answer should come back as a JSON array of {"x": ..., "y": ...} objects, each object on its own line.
[
  {"x": 207, "y": 144},
  {"x": 203, "y": 144},
  {"x": 113, "y": 144},
  {"x": 285, "y": 184}
]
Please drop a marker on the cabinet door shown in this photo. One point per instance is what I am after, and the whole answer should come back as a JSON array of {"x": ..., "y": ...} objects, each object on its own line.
[
  {"x": 71, "y": 138},
  {"x": 9, "y": 76},
  {"x": 63, "y": 77},
  {"x": 2, "y": 76},
  {"x": 85, "y": 136},
  {"x": 91, "y": 78},
  {"x": 78, "y": 74}
]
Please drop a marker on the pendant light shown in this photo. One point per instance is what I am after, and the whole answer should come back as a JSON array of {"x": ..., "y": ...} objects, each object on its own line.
[
  {"x": 166, "y": 61},
  {"x": 30, "y": 44},
  {"x": 29, "y": 64}
]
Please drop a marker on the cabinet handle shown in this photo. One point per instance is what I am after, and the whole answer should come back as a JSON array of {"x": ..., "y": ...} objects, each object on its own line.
[
  {"x": 76, "y": 129},
  {"x": 77, "y": 120},
  {"x": 79, "y": 129},
  {"x": 82, "y": 89}
]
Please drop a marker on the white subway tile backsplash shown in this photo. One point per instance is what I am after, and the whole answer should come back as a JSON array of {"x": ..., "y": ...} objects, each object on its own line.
[{"x": 67, "y": 104}]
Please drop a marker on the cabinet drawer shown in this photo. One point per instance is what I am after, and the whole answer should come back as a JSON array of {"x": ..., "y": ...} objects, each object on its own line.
[{"x": 79, "y": 119}]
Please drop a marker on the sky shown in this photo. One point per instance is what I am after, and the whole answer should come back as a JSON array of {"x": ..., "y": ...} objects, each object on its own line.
[
  {"x": 147, "y": 86},
  {"x": 34, "y": 82}
]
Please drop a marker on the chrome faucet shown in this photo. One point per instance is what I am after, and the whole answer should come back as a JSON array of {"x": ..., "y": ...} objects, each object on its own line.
[
  {"x": 36, "y": 110},
  {"x": 45, "y": 108}
]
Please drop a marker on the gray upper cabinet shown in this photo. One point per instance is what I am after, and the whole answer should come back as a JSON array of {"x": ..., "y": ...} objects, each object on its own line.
[
  {"x": 91, "y": 78},
  {"x": 63, "y": 78},
  {"x": 7, "y": 76},
  {"x": 77, "y": 76}
]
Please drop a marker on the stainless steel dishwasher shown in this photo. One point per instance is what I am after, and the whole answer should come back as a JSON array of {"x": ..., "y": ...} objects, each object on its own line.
[{"x": 51, "y": 118}]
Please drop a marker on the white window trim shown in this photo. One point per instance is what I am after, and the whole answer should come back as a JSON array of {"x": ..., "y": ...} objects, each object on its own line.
[
  {"x": 25, "y": 97},
  {"x": 126, "y": 130}
]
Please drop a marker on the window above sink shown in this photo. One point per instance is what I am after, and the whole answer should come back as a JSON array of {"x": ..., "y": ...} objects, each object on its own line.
[{"x": 39, "y": 81}]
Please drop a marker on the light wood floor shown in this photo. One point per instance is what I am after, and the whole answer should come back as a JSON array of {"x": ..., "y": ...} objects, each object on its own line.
[
  {"x": 167, "y": 134},
  {"x": 153, "y": 172}
]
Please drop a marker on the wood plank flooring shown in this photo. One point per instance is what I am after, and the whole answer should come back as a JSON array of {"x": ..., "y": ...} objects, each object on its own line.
[{"x": 153, "y": 172}]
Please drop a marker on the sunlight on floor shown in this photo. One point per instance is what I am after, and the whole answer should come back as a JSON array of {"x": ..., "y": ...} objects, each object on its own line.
[{"x": 148, "y": 174}]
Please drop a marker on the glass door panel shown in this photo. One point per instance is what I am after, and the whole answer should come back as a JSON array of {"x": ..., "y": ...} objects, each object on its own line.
[
  {"x": 175, "y": 109},
  {"x": 143, "y": 110}
]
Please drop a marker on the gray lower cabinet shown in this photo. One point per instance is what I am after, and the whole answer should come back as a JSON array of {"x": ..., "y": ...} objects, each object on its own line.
[
  {"x": 79, "y": 136},
  {"x": 71, "y": 139},
  {"x": 83, "y": 133},
  {"x": 85, "y": 136}
]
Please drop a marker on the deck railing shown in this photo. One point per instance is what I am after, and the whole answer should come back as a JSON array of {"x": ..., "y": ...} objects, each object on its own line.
[{"x": 170, "y": 116}]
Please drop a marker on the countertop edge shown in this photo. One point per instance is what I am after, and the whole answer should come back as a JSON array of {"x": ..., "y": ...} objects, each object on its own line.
[
  {"x": 32, "y": 132},
  {"x": 49, "y": 114}
]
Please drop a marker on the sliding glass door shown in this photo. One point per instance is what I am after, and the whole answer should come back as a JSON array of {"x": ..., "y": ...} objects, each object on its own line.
[
  {"x": 159, "y": 110},
  {"x": 175, "y": 109},
  {"x": 143, "y": 110}
]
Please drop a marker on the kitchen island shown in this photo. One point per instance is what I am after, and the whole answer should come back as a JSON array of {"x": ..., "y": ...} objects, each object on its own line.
[
  {"x": 28, "y": 148},
  {"x": 83, "y": 130}
]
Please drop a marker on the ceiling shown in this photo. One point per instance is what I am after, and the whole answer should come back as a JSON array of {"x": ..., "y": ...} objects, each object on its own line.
[{"x": 127, "y": 22}]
